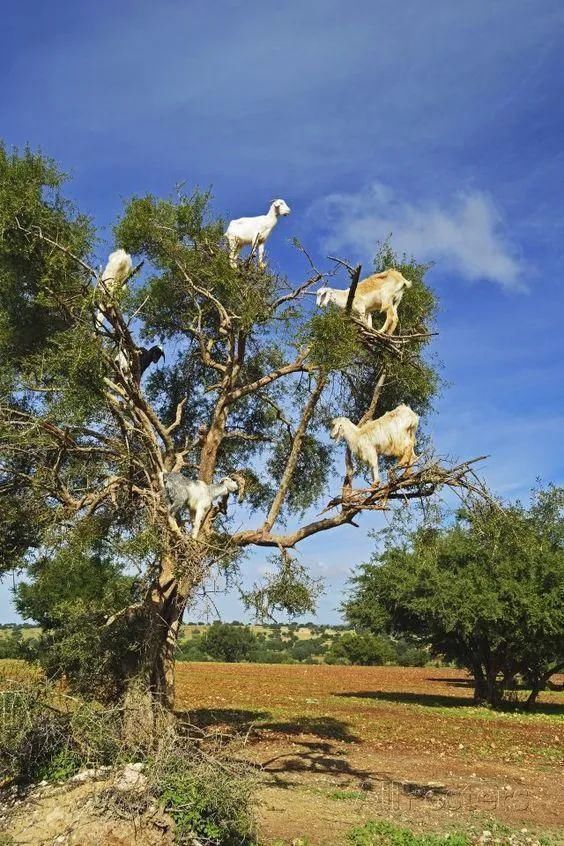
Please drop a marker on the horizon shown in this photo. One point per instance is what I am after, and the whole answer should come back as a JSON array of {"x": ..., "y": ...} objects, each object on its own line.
[{"x": 419, "y": 121}]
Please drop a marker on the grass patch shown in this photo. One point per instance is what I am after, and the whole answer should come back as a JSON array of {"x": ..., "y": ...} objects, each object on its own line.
[
  {"x": 347, "y": 795},
  {"x": 384, "y": 833}
]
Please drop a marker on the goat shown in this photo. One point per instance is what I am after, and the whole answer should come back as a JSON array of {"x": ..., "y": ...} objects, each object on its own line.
[
  {"x": 146, "y": 358},
  {"x": 380, "y": 292},
  {"x": 253, "y": 231},
  {"x": 196, "y": 496},
  {"x": 116, "y": 271},
  {"x": 392, "y": 434}
]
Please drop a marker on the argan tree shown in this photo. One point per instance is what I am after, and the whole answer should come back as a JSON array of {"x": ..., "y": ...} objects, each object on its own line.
[
  {"x": 485, "y": 590},
  {"x": 253, "y": 375}
]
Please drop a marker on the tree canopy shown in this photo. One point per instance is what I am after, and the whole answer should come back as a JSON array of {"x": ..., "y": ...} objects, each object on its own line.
[{"x": 485, "y": 591}]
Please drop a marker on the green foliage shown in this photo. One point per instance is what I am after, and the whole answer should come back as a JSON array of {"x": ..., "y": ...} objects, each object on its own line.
[
  {"x": 33, "y": 275},
  {"x": 228, "y": 643},
  {"x": 384, "y": 833},
  {"x": 485, "y": 592},
  {"x": 288, "y": 588},
  {"x": 60, "y": 767},
  {"x": 313, "y": 467},
  {"x": 32, "y": 735},
  {"x": 39, "y": 739},
  {"x": 13, "y": 646},
  {"x": 333, "y": 341},
  {"x": 364, "y": 649},
  {"x": 206, "y": 798}
]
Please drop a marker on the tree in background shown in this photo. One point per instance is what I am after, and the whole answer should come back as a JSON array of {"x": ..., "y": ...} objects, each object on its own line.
[
  {"x": 486, "y": 592},
  {"x": 252, "y": 379},
  {"x": 228, "y": 642},
  {"x": 363, "y": 648}
]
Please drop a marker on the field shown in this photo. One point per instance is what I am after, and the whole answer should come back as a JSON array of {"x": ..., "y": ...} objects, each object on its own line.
[{"x": 338, "y": 745}]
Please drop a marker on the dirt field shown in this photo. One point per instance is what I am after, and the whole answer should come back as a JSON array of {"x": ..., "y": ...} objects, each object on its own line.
[{"x": 339, "y": 745}]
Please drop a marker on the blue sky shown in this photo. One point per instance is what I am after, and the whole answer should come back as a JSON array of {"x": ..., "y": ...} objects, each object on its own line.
[{"x": 440, "y": 122}]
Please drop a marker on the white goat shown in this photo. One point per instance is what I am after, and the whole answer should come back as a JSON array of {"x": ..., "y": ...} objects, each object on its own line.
[
  {"x": 380, "y": 292},
  {"x": 392, "y": 434},
  {"x": 253, "y": 231},
  {"x": 116, "y": 271},
  {"x": 196, "y": 496}
]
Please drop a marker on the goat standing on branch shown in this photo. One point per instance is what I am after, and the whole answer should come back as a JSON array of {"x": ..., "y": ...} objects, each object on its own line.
[
  {"x": 196, "y": 496},
  {"x": 380, "y": 292},
  {"x": 113, "y": 276},
  {"x": 393, "y": 434},
  {"x": 146, "y": 356},
  {"x": 254, "y": 231}
]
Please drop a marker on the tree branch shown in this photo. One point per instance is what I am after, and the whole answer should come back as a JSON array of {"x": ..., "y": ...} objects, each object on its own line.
[{"x": 294, "y": 454}]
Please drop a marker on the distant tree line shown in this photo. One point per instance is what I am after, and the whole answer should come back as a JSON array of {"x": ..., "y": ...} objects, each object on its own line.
[{"x": 233, "y": 642}]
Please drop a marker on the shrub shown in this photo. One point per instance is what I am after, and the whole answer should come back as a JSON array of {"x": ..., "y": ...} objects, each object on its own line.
[
  {"x": 204, "y": 789},
  {"x": 32, "y": 735},
  {"x": 228, "y": 643},
  {"x": 364, "y": 649}
]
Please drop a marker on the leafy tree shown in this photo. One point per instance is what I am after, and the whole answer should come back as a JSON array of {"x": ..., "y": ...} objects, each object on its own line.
[
  {"x": 227, "y": 642},
  {"x": 363, "y": 648},
  {"x": 486, "y": 592},
  {"x": 251, "y": 380}
]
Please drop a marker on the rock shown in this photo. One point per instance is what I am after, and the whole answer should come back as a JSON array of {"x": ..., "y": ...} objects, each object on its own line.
[
  {"x": 131, "y": 779},
  {"x": 84, "y": 775}
]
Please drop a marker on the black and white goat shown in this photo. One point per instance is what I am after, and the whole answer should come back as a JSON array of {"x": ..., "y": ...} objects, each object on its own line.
[{"x": 146, "y": 358}]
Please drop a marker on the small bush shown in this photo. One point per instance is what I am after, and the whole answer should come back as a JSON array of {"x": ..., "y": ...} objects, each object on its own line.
[
  {"x": 206, "y": 792},
  {"x": 31, "y": 735},
  {"x": 363, "y": 649},
  {"x": 228, "y": 643},
  {"x": 46, "y": 735}
]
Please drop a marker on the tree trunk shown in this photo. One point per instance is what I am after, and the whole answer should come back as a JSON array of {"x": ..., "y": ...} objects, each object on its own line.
[
  {"x": 480, "y": 686},
  {"x": 532, "y": 697},
  {"x": 486, "y": 687},
  {"x": 153, "y": 686}
]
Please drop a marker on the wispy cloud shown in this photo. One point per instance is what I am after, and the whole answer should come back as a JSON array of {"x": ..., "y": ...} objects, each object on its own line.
[{"x": 465, "y": 234}]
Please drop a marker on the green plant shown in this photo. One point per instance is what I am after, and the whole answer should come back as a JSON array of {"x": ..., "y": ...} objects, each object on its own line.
[
  {"x": 388, "y": 834},
  {"x": 60, "y": 767},
  {"x": 208, "y": 797}
]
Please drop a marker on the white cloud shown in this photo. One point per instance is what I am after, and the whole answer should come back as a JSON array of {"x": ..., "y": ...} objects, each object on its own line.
[{"x": 464, "y": 235}]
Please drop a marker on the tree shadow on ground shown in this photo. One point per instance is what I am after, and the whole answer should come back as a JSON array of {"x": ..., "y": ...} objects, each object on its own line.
[
  {"x": 311, "y": 759},
  {"x": 430, "y": 700},
  {"x": 243, "y": 721},
  {"x": 307, "y": 757}
]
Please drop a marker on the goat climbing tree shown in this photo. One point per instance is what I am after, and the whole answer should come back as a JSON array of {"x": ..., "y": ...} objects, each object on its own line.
[{"x": 253, "y": 376}]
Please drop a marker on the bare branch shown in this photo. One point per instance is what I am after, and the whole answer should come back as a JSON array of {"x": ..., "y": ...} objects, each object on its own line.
[
  {"x": 294, "y": 454},
  {"x": 296, "y": 366}
]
